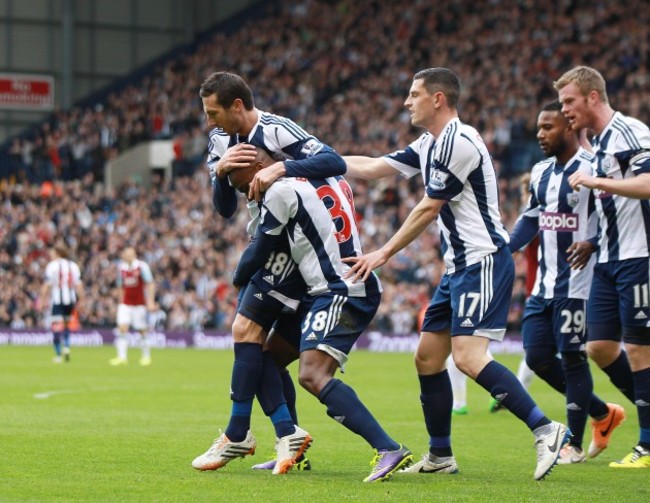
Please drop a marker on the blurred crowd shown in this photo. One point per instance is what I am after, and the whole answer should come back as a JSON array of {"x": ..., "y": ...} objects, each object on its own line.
[{"x": 342, "y": 70}]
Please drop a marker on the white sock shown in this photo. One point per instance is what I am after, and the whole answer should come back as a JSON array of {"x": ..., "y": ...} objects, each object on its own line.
[
  {"x": 122, "y": 345},
  {"x": 458, "y": 384},
  {"x": 146, "y": 346},
  {"x": 524, "y": 374}
]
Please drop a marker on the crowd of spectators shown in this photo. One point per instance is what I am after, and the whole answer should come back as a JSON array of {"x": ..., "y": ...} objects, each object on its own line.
[{"x": 342, "y": 70}]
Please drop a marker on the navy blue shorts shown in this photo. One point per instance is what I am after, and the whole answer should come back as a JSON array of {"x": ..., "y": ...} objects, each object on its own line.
[
  {"x": 334, "y": 322},
  {"x": 555, "y": 322},
  {"x": 62, "y": 310},
  {"x": 276, "y": 289},
  {"x": 474, "y": 300},
  {"x": 618, "y": 304}
]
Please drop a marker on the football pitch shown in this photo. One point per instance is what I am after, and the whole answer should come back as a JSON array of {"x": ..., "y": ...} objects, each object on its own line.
[{"x": 85, "y": 431}]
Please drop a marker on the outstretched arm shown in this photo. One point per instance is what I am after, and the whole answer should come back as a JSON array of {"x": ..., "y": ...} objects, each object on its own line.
[{"x": 420, "y": 217}]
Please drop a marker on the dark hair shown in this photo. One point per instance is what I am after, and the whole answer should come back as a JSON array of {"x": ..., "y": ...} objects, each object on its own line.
[
  {"x": 441, "y": 80},
  {"x": 552, "y": 106},
  {"x": 228, "y": 87}
]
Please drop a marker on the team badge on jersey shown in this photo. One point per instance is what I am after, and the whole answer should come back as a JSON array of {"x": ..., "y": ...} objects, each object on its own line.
[
  {"x": 311, "y": 147},
  {"x": 438, "y": 179},
  {"x": 573, "y": 199}
]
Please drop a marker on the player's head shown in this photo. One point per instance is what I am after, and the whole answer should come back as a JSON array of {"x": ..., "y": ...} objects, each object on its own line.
[
  {"x": 60, "y": 250},
  {"x": 581, "y": 90},
  {"x": 240, "y": 178},
  {"x": 432, "y": 89},
  {"x": 554, "y": 133},
  {"x": 225, "y": 97},
  {"x": 128, "y": 254}
]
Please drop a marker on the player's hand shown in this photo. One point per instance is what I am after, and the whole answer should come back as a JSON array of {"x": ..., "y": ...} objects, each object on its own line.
[
  {"x": 578, "y": 254},
  {"x": 151, "y": 306},
  {"x": 237, "y": 156},
  {"x": 363, "y": 266},
  {"x": 263, "y": 179},
  {"x": 576, "y": 180}
]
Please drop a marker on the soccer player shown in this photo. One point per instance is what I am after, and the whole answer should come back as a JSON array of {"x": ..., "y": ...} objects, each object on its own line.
[
  {"x": 470, "y": 306},
  {"x": 63, "y": 285},
  {"x": 138, "y": 297},
  {"x": 566, "y": 223},
  {"x": 618, "y": 306},
  {"x": 318, "y": 216},
  {"x": 238, "y": 131}
]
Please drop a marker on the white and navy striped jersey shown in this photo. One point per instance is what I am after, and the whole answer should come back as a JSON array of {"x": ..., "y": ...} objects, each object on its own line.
[
  {"x": 281, "y": 137},
  {"x": 622, "y": 150},
  {"x": 63, "y": 276},
  {"x": 319, "y": 217},
  {"x": 564, "y": 216},
  {"x": 457, "y": 167}
]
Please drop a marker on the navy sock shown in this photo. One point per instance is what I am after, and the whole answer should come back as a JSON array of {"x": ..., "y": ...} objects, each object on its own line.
[
  {"x": 437, "y": 400},
  {"x": 246, "y": 371},
  {"x": 289, "y": 394},
  {"x": 56, "y": 340},
  {"x": 620, "y": 374},
  {"x": 271, "y": 397},
  {"x": 553, "y": 374},
  {"x": 508, "y": 391},
  {"x": 642, "y": 395},
  {"x": 344, "y": 406},
  {"x": 66, "y": 337},
  {"x": 579, "y": 388},
  {"x": 282, "y": 421}
]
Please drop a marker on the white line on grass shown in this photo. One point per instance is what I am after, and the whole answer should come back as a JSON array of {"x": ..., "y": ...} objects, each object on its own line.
[{"x": 48, "y": 394}]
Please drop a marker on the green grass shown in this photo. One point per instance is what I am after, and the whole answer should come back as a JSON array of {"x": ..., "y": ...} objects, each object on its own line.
[{"x": 130, "y": 434}]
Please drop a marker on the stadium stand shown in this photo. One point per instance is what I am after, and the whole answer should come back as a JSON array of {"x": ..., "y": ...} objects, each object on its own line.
[{"x": 341, "y": 69}]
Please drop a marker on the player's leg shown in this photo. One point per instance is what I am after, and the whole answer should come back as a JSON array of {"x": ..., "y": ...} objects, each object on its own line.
[
  {"x": 141, "y": 325},
  {"x": 58, "y": 325},
  {"x": 458, "y": 388},
  {"x": 237, "y": 440},
  {"x": 124, "y": 320},
  {"x": 65, "y": 335},
  {"x": 436, "y": 395},
  {"x": 604, "y": 329},
  {"x": 525, "y": 374},
  {"x": 330, "y": 329},
  {"x": 482, "y": 293},
  {"x": 633, "y": 287}
]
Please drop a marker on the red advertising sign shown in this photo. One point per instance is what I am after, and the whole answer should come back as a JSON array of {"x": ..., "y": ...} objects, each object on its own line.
[{"x": 26, "y": 92}]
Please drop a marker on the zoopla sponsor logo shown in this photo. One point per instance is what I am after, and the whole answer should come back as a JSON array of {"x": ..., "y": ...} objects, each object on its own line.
[{"x": 558, "y": 222}]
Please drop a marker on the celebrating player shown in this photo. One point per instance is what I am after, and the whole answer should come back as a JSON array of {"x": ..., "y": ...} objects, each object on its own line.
[
  {"x": 470, "y": 306},
  {"x": 618, "y": 306},
  {"x": 318, "y": 216}
]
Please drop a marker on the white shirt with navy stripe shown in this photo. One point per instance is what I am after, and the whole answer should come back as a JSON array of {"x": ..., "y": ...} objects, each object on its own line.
[
  {"x": 63, "y": 276},
  {"x": 457, "y": 167},
  {"x": 622, "y": 151},
  {"x": 320, "y": 221},
  {"x": 565, "y": 216}
]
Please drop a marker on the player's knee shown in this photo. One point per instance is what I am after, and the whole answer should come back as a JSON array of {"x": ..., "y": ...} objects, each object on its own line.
[
  {"x": 245, "y": 330},
  {"x": 574, "y": 359},
  {"x": 539, "y": 359},
  {"x": 603, "y": 352}
]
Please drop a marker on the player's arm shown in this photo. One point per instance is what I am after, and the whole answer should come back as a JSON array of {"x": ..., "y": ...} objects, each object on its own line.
[
  {"x": 255, "y": 256},
  {"x": 367, "y": 168},
  {"x": 420, "y": 217},
  {"x": 579, "y": 254},
  {"x": 634, "y": 188},
  {"x": 149, "y": 287},
  {"x": 524, "y": 232},
  {"x": 224, "y": 197}
]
